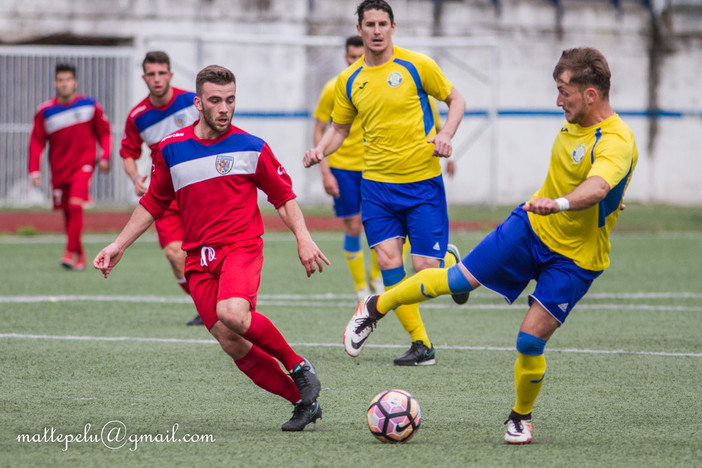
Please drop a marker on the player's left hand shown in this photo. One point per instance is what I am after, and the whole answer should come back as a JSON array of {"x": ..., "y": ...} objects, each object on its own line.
[
  {"x": 310, "y": 256},
  {"x": 541, "y": 206},
  {"x": 104, "y": 166},
  {"x": 107, "y": 258},
  {"x": 442, "y": 145}
]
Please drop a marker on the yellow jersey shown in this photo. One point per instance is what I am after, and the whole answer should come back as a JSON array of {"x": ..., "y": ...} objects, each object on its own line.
[
  {"x": 350, "y": 155},
  {"x": 392, "y": 103},
  {"x": 607, "y": 150}
]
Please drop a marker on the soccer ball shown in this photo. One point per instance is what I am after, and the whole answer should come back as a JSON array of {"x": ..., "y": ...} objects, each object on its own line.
[{"x": 394, "y": 416}]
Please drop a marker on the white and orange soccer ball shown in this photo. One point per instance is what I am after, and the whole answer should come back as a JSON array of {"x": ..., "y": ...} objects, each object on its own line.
[{"x": 394, "y": 416}]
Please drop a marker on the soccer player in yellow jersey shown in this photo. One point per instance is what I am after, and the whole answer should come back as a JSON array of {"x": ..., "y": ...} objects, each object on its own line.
[
  {"x": 341, "y": 176},
  {"x": 388, "y": 92},
  {"x": 560, "y": 237}
]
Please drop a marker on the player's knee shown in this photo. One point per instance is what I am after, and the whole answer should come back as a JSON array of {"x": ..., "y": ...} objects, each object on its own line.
[
  {"x": 529, "y": 344},
  {"x": 353, "y": 226},
  {"x": 235, "y": 314}
]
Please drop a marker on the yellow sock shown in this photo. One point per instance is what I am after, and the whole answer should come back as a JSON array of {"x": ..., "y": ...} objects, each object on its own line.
[
  {"x": 357, "y": 268},
  {"x": 420, "y": 287},
  {"x": 375, "y": 269},
  {"x": 529, "y": 373},
  {"x": 408, "y": 315},
  {"x": 406, "y": 247},
  {"x": 449, "y": 260}
]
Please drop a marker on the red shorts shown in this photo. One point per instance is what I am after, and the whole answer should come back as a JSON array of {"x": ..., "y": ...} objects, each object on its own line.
[
  {"x": 77, "y": 187},
  {"x": 218, "y": 273},
  {"x": 169, "y": 226}
]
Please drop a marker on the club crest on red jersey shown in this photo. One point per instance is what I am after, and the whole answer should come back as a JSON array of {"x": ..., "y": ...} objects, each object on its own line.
[
  {"x": 180, "y": 120},
  {"x": 224, "y": 164}
]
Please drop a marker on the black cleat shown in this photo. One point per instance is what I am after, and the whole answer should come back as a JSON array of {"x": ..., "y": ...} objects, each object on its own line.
[
  {"x": 306, "y": 381},
  {"x": 303, "y": 415},
  {"x": 460, "y": 298},
  {"x": 195, "y": 321},
  {"x": 419, "y": 354}
]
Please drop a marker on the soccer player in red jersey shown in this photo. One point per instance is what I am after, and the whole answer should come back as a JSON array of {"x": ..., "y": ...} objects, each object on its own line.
[
  {"x": 165, "y": 110},
  {"x": 213, "y": 169},
  {"x": 72, "y": 124}
]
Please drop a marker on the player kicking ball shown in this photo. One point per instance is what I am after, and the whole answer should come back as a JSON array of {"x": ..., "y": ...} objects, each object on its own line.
[
  {"x": 213, "y": 169},
  {"x": 560, "y": 237}
]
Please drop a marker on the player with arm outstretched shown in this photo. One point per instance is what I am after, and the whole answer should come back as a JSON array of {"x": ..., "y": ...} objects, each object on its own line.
[
  {"x": 388, "y": 91},
  {"x": 214, "y": 170},
  {"x": 341, "y": 177},
  {"x": 560, "y": 237}
]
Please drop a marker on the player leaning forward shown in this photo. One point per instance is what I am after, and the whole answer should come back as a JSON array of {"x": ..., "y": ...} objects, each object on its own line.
[
  {"x": 560, "y": 237},
  {"x": 213, "y": 169}
]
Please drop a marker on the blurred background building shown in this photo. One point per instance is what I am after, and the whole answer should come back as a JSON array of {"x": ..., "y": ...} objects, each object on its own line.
[{"x": 499, "y": 53}]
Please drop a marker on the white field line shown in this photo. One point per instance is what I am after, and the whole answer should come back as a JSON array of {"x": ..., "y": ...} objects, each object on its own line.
[
  {"x": 348, "y": 300},
  {"x": 330, "y": 345},
  {"x": 288, "y": 237}
]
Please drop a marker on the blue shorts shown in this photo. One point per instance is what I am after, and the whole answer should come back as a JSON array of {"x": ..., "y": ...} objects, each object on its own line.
[
  {"x": 348, "y": 203},
  {"x": 512, "y": 255},
  {"x": 416, "y": 210}
]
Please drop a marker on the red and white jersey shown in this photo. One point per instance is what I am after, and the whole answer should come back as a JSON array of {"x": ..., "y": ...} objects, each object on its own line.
[
  {"x": 149, "y": 124},
  {"x": 73, "y": 131},
  {"x": 215, "y": 183}
]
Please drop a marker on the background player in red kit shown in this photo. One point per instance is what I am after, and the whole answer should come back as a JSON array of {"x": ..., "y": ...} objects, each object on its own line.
[
  {"x": 73, "y": 125},
  {"x": 213, "y": 169},
  {"x": 165, "y": 110}
]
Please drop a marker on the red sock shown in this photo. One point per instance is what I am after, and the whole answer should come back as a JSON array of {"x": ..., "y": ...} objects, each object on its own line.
[
  {"x": 74, "y": 228},
  {"x": 266, "y": 336},
  {"x": 265, "y": 372},
  {"x": 183, "y": 283}
]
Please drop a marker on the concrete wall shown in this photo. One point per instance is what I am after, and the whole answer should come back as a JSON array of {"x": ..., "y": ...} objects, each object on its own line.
[{"x": 656, "y": 61}]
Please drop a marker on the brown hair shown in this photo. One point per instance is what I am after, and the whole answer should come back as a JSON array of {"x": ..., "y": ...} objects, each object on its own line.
[
  {"x": 213, "y": 74},
  {"x": 381, "y": 5},
  {"x": 588, "y": 68},
  {"x": 65, "y": 67},
  {"x": 156, "y": 56}
]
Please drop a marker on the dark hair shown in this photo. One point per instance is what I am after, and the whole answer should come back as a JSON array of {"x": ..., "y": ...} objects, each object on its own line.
[
  {"x": 156, "y": 56},
  {"x": 381, "y": 5},
  {"x": 588, "y": 68},
  {"x": 65, "y": 67},
  {"x": 354, "y": 41},
  {"x": 213, "y": 74}
]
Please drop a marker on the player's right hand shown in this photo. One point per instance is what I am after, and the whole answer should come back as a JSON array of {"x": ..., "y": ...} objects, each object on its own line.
[
  {"x": 35, "y": 177},
  {"x": 140, "y": 185},
  {"x": 331, "y": 185},
  {"x": 312, "y": 157},
  {"x": 107, "y": 258}
]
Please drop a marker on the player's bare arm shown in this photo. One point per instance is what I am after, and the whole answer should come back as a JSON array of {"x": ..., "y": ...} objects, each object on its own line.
[
  {"x": 590, "y": 192},
  {"x": 108, "y": 257},
  {"x": 330, "y": 142},
  {"x": 331, "y": 186},
  {"x": 308, "y": 252},
  {"x": 442, "y": 140}
]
